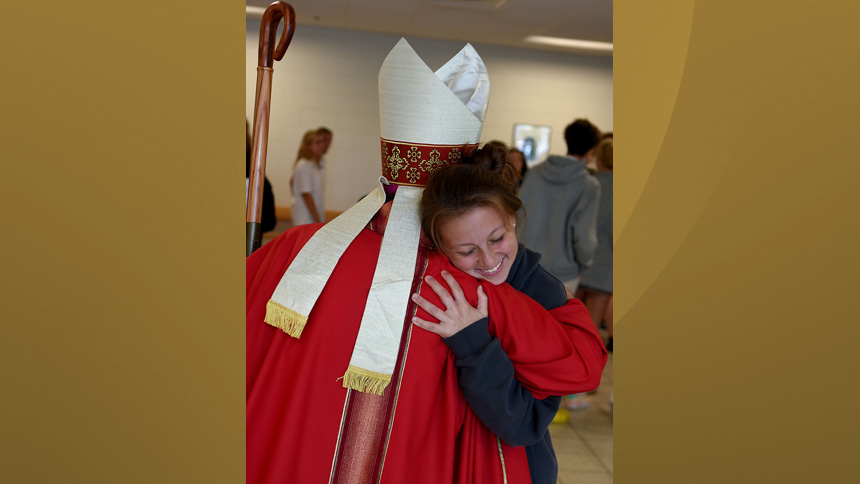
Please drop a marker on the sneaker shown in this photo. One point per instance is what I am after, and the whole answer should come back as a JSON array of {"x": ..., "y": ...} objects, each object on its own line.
[{"x": 577, "y": 402}]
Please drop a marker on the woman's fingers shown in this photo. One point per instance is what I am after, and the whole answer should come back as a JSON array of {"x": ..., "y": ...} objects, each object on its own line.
[
  {"x": 440, "y": 291},
  {"x": 457, "y": 312},
  {"x": 452, "y": 319},
  {"x": 426, "y": 305},
  {"x": 456, "y": 290},
  {"x": 432, "y": 327}
]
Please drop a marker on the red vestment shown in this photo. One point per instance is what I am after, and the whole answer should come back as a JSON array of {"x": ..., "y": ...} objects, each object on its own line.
[{"x": 302, "y": 423}]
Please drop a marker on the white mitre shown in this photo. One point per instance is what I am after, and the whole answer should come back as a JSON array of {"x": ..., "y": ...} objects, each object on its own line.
[{"x": 427, "y": 120}]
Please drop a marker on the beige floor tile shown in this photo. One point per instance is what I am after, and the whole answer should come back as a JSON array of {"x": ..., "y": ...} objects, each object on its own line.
[
  {"x": 564, "y": 450},
  {"x": 583, "y": 445},
  {"x": 581, "y": 463},
  {"x": 577, "y": 477}
]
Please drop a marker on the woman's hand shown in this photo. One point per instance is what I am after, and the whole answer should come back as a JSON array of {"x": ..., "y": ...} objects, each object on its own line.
[{"x": 458, "y": 313}]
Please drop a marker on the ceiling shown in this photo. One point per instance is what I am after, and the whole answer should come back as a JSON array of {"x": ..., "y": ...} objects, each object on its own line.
[{"x": 495, "y": 22}]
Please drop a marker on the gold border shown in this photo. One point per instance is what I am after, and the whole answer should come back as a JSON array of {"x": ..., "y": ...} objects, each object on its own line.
[
  {"x": 339, "y": 436},
  {"x": 461, "y": 145},
  {"x": 736, "y": 227},
  {"x": 125, "y": 202},
  {"x": 502, "y": 457}
]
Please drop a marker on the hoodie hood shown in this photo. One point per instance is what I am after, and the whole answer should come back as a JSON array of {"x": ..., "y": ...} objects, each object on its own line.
[
  {"x": 528, "y": 277},
  {"x": 523, "y": 266},
  {"x": 561, "y": 170}
]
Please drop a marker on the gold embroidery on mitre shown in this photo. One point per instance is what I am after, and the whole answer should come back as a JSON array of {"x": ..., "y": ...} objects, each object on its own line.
[
  {"x": 434, "y": 163},
  {"x": 405, "y": 163},
  {"x": 413, "y": 175},
  {"x": 414, "y": 155},
  {"x": 395, "y": 162},
  {"x": 454, "y": 156}
]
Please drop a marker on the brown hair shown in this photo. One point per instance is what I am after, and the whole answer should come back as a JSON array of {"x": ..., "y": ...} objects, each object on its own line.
[
  {"x": 493, "y": 156},
  {"x": 304, "y": 147},
  {"x": 603, "y": 152},
  {"x": 483, "y": 179}
]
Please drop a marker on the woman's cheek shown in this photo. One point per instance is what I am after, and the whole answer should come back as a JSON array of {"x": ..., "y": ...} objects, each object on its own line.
[{"x": 461, "y": 263}]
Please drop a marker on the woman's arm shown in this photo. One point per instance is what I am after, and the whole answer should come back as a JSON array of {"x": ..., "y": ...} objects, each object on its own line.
[
  {"x": 486, "y": 374},
  {"x": 312, "y": 208}
]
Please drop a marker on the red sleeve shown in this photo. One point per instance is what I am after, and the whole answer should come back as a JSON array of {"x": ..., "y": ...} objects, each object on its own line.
[
  {"x": 557, "y": 352},
  {"x": 263, "y": 270}
]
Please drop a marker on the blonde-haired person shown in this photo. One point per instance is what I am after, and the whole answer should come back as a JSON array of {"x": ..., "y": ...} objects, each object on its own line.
[
  {"x": 308, "y": 180},
  {"x": 327, "y": 136},
  {"x": 595, "y": 288}
]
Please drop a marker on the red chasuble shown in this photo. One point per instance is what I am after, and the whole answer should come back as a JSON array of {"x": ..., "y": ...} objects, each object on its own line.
[{"x": 304, "y": 427}]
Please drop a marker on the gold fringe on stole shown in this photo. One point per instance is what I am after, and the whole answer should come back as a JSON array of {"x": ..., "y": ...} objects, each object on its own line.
[
  {"x": 285, "y": 319},
  {"x": 365, "y": 381}
]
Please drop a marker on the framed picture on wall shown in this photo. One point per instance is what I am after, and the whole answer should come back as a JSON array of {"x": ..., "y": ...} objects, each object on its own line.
[{"x": 533, "y": 140}]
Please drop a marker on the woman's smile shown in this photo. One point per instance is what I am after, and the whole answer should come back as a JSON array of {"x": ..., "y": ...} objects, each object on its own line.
[
  {"x": 481, "y": 243},
  {"x": 493, "y": 271}
]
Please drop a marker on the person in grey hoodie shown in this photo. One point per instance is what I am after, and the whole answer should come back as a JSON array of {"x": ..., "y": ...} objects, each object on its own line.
[{"x": 560, "y": 201}]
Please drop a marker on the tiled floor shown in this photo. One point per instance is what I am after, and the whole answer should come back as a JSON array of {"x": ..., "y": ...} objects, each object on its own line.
[{"x": 583, "y": 445}]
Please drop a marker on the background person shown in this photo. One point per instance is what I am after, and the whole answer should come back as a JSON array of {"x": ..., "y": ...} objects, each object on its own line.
[
  {"x": 267, "y": 215},
  {"x": 560, "y": 200},
  {"x": 595, "y": 287},
  {"x": 327, "y": 137},
  {"x": 516, "y": 158},
  {"x": 308, "y": 180}
]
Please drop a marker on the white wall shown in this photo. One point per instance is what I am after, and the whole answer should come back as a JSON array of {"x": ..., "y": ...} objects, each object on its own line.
[{"x": 328, "y": 78}]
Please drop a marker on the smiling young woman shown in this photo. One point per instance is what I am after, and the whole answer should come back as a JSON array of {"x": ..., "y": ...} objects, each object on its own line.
[
  {"x": 469, "y": 212},
  {"x": 481, "y": 243}
]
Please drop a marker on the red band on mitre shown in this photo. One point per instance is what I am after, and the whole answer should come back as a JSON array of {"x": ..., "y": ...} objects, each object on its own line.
[{"x": 411, "y": 164}]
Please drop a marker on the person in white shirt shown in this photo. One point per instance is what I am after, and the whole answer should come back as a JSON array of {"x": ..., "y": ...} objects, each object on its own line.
[{"x": 308, "y": 180}]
